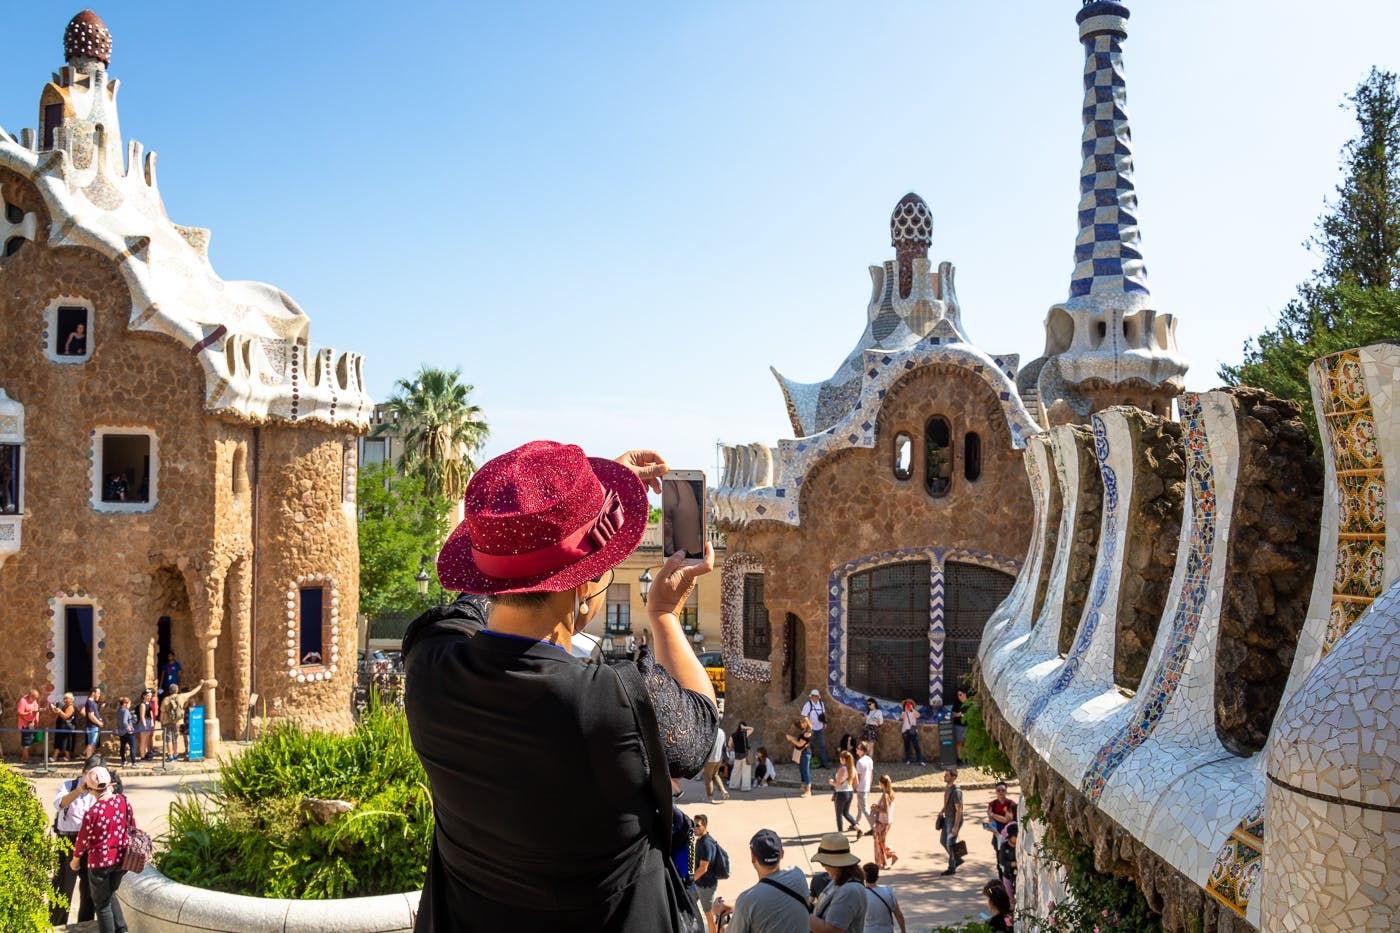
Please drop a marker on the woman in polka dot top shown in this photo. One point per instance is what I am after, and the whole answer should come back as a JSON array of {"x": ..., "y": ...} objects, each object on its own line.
[{"x": 101, "y": 843}]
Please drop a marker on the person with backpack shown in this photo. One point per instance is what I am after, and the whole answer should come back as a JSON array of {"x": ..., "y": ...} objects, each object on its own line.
[
  {"x": 778, "y": 903},
  {"x": 70, "y": 805},
  {"x": 882, "y": 910},
  {"x": 711, "y": 867},
  {"x": 814, "y": 711},
  {"x": 101, "y": 844}
]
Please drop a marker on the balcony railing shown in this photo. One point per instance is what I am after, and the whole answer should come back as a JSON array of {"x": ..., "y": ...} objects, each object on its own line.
[{"x": 651, "y": 538}]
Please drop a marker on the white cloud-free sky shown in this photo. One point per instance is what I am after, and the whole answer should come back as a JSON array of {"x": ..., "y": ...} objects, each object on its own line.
[{"x": 613, "y": 217}]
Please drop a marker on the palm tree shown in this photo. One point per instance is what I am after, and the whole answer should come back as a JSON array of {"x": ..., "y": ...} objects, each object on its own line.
[{"x": 441, "y": 429}]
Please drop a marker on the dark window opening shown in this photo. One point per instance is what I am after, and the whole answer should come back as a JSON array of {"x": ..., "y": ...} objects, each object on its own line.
[
  {"x": 163, "y": 644},
  {"x": 690, "y": 612},
  {"x": 9, "y": 479},
  {"x": 53, "y": 116},
  {"x": 126, "y": 468},
  {"x": 903, "y": 456},
  {"x": 71, "y": 328},
  {"x": 972, "y": 455},
  {"x": 938, "y": 457},
  {"x": 971, "y": 594},
  {"x": 77, "y": 649},
  {"x": 1103, "y": 330},
  {"x": 13, "y": 213},
  {"x": 757, "y": 632},
  {"x": 313, "y": 628},
  {"x": 887, "y": 625},
  {"x": 14, "y": 245},
  {"x": 619, "y": 617}
]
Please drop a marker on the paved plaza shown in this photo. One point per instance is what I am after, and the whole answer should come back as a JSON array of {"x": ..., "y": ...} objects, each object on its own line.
[{"x": 926, "y": 897}]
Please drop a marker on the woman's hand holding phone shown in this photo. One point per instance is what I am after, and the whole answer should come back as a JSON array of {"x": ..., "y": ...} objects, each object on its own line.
[{"x": 675, "y": 581}]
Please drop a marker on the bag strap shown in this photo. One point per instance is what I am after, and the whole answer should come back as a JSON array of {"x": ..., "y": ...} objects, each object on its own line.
[
  {"x": 786, "y": 890},
  {"x": 645, "y": 715},
  {"x": 889, "y": 905}
]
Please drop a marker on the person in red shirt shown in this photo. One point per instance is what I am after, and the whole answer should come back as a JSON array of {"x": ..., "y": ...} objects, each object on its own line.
[
  {"x": 1001, "y": 812},
  {"x": 27, "y": 709},
  {"x": 101, "y": 843}
]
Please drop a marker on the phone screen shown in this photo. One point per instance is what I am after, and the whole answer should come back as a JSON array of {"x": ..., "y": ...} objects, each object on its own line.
[{"x": 683, "y": 513}]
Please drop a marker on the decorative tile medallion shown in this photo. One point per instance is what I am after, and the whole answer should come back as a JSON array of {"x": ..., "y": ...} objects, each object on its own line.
[
  {"x": 836, "y": 618},
  {"x": 1236, "y": 872},
  {"x": 731, "y": 616},
  {"x": 1350, "y": 424},
  {"x": 1108, "y": 553},
  {"x": 1152, "y": 700}
]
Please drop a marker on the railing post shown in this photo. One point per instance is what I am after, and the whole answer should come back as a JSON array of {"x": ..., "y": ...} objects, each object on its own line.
[{"x": 46, "y": 769}]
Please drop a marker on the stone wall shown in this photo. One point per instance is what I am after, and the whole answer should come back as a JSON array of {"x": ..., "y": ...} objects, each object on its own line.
[
  {"x": 1273, "y": 553},
  {"x": 1149, "y": 554},
  {"x": 1084, "y": 538},
  {"x": 1184, "y": 905}
]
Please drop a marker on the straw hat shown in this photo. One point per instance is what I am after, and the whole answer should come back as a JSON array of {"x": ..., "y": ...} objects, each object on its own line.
[{"x": 835, "y": 850}]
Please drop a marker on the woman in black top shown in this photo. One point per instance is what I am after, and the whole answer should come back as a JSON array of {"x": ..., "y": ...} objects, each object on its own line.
[
  {"x": 999, "y": 902},
  {"x": 574, "y": 835}
]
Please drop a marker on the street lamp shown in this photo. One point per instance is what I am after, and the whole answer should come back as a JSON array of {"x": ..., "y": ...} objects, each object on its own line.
[
  {"x": 421, "y": 579},
  {"x": 645, "y": 581}
]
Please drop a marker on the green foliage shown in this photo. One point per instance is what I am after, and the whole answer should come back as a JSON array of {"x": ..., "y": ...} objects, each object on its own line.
[
  {"x": 253, "y": 836},
  {"x": 28, "y": 856},
  {"x": 399, "y": 525},
  {"x": 979, "y": 748},
  {"x": 967, "y": 926},
  {"x": 1097, "y": 903},
  {"x": 441, "y": 429},
  {"x": 1352, "y": 300}
]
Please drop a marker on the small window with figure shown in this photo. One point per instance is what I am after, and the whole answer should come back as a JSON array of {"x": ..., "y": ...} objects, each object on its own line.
[
  {"x": 972, "y": 456},
  {"x": 68, "y": 330},
  {"x": 124, "y": 470},
  {"x": 938, "y": 457}
]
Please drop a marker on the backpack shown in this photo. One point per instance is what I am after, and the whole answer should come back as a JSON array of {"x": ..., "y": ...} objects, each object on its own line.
[{"x": 721, "y": 865}]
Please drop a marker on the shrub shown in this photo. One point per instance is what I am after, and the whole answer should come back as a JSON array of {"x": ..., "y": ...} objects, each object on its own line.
[
  {"x": 28, "y": 856},
  {"x": 253, "y": 835},
  {"x": 979, "y": 748},
  {"x": 1097, "y": 902}
]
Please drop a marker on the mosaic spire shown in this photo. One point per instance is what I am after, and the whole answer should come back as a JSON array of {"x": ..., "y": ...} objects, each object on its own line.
[{"x": 1108, "y": 251}]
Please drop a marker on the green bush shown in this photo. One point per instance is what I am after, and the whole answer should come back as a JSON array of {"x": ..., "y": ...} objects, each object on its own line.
[
  {"x": 1097, "y": 902},
  {"x": 979, "y": 748},
  {"x": 253, "y": 836},
  {"x": 967, "y": 926},
  {"x": 28, "y": 857}
]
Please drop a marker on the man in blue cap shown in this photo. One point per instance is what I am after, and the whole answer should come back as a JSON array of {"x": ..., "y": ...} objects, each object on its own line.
[{"x": 778, "y": 903}]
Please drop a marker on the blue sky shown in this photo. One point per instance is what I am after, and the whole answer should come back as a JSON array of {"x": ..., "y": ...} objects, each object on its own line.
[{"x": 615, "y": 216}]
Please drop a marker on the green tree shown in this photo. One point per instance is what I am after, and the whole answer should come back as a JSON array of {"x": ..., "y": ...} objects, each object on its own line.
[
  {"x": 441, "y": 429},
  {"x": 28, "y": 854},
  {"x": 400, "y": 524},
  {"x": 1352, "y": 300}
]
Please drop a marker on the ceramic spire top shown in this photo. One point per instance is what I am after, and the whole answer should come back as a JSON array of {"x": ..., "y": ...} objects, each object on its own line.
[{"x": 1108, "y": 253}]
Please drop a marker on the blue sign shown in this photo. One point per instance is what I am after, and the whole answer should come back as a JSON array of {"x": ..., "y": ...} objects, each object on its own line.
[{"x": 196, "y": 729}]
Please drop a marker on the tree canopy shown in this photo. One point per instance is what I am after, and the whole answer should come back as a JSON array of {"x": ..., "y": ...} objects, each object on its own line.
[
  {"x": 442, "y": 430},
  {"x": 1352, "y": 300},
  {"x": 400, "y": 524}
]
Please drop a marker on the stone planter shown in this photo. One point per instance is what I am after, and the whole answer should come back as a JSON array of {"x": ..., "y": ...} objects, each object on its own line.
[{"x": 155, "y": 904}]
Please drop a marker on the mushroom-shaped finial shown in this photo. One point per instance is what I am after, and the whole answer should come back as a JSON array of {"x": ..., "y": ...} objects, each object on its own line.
[
  {"x": 87, "y": 37},
  {"x": 911, "y": 224}
]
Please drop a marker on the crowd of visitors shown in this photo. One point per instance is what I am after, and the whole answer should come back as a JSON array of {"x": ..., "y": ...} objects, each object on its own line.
[{"x": 73, "y": 727}]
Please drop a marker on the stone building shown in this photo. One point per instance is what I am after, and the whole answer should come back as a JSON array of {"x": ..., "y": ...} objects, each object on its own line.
[
  {"x": 176, "y": 460},
  {"x": 867, "y": 554}
]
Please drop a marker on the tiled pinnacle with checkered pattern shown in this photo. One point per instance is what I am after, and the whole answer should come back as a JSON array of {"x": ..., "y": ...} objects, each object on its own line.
[{"x": 1108, "y": 252}]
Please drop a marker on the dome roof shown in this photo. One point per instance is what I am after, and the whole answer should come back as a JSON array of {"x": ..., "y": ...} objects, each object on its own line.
[
  {"x": 911, "y": 224},
  {"x": 87, "y": 37},
  {"x": 1337, "y": 737}
]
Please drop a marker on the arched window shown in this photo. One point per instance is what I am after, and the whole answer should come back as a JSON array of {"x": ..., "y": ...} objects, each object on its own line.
[
  {"x": 938, "y": 456},
  {"x": 972, "y": 456},
  {"x": 903, "y": 456},
  {"x": 887, "y": 618},
  {"x": 757, "y": 636}
]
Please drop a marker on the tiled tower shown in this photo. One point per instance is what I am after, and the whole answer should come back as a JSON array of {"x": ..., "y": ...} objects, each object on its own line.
[{"x": 1106, "y": 345}]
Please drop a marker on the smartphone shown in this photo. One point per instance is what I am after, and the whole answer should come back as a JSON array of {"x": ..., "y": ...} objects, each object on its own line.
[{"x": 683, "y": 513}]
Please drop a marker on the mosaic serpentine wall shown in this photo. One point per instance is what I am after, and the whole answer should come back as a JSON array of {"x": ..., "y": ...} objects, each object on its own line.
[{"x": 1247, "y": 780}]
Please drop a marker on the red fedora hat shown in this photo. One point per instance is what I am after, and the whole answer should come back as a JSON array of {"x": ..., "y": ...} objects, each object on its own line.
[{"x": 543, "y": 517}]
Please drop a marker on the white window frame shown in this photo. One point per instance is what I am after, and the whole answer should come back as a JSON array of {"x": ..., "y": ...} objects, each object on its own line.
[
  {"x": 96, "y": 475},
  {"x": 51, "y": 348}
]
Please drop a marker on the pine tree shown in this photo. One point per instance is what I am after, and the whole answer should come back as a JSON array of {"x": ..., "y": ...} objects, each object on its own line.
[{"x": 1353, "y": 299}]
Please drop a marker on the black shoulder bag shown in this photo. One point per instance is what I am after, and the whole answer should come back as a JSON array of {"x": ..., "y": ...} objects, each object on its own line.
[{"x": 685, "y": 912}]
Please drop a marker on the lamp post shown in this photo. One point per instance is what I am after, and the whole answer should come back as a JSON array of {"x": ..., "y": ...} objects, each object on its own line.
[
  {"x": 421, "y": 579},
  {"x": 645, "y": 583}
]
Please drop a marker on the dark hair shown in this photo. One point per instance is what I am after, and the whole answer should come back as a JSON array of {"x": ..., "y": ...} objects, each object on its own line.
[
  {"x": 872, "y": 872},
  {"x": 532, "y": 600},
  {"x": 702, "y": 819},
  {"x": 850, "y": 873},
  {"x": 996, "y": 893},
  {"x": 1000, "y": 785}
]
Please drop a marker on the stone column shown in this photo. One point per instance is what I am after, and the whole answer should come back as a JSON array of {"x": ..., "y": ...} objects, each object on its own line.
[{"x": 210, "y": 700}]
